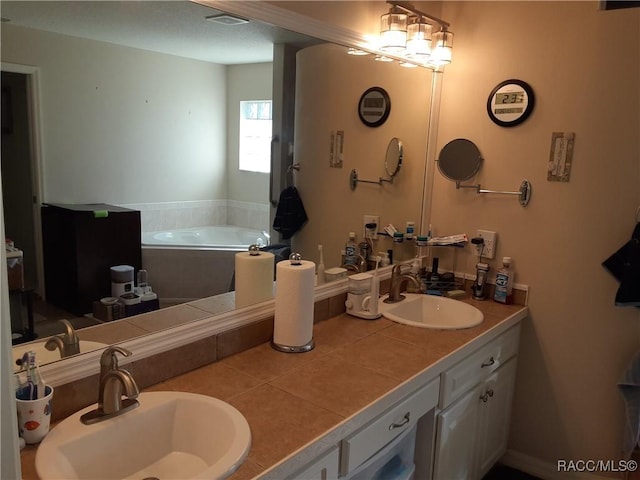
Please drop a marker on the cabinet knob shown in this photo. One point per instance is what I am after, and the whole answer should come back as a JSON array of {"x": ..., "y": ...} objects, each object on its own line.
[{"x": 485, "y": 396}]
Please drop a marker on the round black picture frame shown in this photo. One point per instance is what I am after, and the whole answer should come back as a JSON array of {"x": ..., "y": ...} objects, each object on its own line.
[
  {"x": 506, "y": 117},
  {"x": 374, "y": 106}
]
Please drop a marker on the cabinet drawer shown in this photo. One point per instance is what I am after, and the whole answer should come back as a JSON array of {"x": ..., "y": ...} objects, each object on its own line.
[
  {"x": 324, "y": 467},
  {"x": 479, "y": 365},
  {"x": 363, "y": 444}
]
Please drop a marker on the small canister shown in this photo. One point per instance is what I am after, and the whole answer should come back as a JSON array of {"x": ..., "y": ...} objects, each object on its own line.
[{"x": 411, "y": 226}]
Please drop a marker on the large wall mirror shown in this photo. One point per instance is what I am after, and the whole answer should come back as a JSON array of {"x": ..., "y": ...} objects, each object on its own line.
[{"x": 153, "y": 124}]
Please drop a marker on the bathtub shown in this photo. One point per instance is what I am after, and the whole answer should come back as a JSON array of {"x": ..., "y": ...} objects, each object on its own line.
[
  {"x": 190, "y": 263},
  {"x": 221, "y": 237}
]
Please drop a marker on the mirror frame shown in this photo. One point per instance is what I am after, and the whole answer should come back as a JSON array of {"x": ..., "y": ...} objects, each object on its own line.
[
  {"x": 86, "y": 364},
  {"x": 394, "y": 151},
  {"x": 474, "y": 159}
]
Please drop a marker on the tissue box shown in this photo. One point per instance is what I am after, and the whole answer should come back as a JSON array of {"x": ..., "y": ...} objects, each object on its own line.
[
  {"x": 335, "y": 273},
  {"x": 15, "y": 270}
]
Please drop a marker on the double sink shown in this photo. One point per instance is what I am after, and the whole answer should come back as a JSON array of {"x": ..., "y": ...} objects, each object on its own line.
[{"x": 186, "y": 435}]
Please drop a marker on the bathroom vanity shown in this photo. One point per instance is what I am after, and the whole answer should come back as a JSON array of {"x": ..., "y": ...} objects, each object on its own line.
[{"x": 366, "y": 385}]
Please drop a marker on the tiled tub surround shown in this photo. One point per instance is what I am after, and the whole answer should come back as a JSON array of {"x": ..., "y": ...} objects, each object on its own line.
[
  {"x": 171, "y": 215},
  {"x": 181, "y": 275},
  {"x": 358, "y": 369}
]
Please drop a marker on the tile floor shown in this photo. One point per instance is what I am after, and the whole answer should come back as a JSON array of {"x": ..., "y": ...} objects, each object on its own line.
[
  {"x": 502, "y": 472},
  {"x": 46, "y": 316}
]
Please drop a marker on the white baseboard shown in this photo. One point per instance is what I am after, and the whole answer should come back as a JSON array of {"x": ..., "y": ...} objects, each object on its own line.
[{"x": 544, "y": 470}]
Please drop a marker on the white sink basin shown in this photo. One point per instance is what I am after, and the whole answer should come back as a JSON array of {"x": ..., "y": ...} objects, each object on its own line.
[
  {"x": 170, "y": 435},
  {"x": 430, "y": 311},
  {"x": 47, "y": 356}
]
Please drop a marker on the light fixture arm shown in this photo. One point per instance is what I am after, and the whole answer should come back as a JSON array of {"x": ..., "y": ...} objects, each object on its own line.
[{"x": 408, "y": 7}]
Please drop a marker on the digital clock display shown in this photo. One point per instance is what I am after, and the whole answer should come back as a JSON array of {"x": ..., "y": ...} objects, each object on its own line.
[
  {"x": 510, "y": 97},
  {"x": 504, "y": 111},
  {"x": 374, "y": 107},
  {"x": 372, "y": 102},
  {"x": 510, "y": 103}
]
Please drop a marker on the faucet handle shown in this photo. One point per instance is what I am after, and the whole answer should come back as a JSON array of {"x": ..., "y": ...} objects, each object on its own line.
[{"x": 109, "y": 359}]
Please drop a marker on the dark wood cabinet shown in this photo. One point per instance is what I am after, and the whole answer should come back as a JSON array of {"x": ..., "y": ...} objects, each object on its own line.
[{"x": 80, "y": 244}]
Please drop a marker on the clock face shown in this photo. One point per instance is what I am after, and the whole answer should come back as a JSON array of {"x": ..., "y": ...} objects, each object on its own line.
[
  {"x": 510, "y": 103},
  {"x": 374, "y": 107}
]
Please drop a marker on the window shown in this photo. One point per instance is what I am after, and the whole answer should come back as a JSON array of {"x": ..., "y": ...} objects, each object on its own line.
[{"x": 255, "y": 136}]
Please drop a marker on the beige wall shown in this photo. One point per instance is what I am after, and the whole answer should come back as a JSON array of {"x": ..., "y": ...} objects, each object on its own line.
[
  {"x": 122, "y": 125},
  {"x": 584, "y": 66},
  {"x": 329, "y": 84},
  {"x": 245, "y": 82}
]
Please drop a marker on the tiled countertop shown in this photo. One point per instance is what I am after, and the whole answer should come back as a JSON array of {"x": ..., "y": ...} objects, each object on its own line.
[{"x": 313, "y": 395}]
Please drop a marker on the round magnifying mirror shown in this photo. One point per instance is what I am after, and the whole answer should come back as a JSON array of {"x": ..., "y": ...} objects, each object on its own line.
[
  {"x": 393, "y": 159},
  {"x": 459, "y": 160}
]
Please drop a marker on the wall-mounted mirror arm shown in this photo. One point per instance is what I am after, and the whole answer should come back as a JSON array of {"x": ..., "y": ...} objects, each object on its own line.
[
  {"x": 524, "y": 193},
  {"x": 354, "y": 180},
  {"x": 392, "y": 163}
]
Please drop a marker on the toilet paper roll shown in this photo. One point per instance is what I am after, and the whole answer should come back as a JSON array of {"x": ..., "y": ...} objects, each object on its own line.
[
  {"x": 254, "y": 278},
  {"x": 293, "y": 323}
]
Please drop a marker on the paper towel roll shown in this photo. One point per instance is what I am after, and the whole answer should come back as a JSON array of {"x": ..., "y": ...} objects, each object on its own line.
[
  {"x": 293, "y": 323},
  {"x": 254, "y": 278}
]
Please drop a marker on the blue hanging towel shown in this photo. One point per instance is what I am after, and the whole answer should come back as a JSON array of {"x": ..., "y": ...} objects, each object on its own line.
[{"x": 290, "y": 215}]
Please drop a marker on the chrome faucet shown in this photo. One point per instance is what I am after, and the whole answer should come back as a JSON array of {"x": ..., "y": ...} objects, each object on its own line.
[
  {"x": 68, "y": 343},
  {"x": 360, "y": 266},
  {"x": 114, "y": 382},
  {"x": 398, "y": 280}
]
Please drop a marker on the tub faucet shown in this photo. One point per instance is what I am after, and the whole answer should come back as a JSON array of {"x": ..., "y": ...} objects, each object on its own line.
[
  {"x": 398, "y": 280},
  {"x": 68, "y": 343},
  {"x": 114, "y": 382}
]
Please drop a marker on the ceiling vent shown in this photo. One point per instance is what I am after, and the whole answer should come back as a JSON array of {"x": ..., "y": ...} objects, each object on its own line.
[{"x": 226, "y": 19}]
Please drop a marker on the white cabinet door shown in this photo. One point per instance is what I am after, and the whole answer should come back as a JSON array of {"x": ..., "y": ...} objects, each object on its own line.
[
  {"x": 495, "y": 415},
  {"x": 472, "y": 432},
  {"x": 457, "y": 429}
]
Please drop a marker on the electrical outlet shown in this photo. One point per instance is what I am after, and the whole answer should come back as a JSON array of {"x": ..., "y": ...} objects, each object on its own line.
[
  {"x": 371, "y": 219},
  {"x": 490, "y": 239}
]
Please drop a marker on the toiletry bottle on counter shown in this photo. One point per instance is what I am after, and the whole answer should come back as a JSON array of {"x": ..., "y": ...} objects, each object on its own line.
[
  {"x": 504, "y": 282},
  {"x": 320, "y": 268},
  {"x": 350, "y": 250},
  {"x": 398, "y": 250},
  {"x": 411, "y": 226}
]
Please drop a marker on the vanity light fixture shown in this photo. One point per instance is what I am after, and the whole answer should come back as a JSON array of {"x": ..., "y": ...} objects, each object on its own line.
[
  {"x": 442, "y": 47},
  {"x": 419, "y": 38},
  {"x": 357, "y": 52},
  {"x": 382, "y": 58},
  {"x": 406, "y": 34},
  {"x": 393, "y": 31}
]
